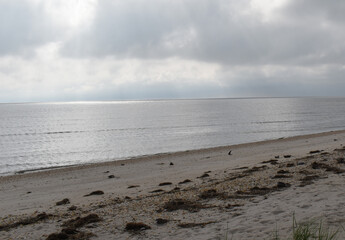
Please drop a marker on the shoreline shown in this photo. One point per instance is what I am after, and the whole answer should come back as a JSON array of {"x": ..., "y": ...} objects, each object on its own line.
[
  {"x": 164, "y": 154},
  {"x": 241, "y": 191}
]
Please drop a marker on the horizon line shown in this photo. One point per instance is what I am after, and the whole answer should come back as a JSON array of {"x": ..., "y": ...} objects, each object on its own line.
[{"x": 165, "y": 99}]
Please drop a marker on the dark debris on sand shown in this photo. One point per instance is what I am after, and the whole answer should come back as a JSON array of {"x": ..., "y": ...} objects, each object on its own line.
[
  {"x": 309, "y": 179},
  {"x": 281, "y": 176},
  {"x": 339, "y": 149},
  {"x": 165, "y": 184},
  {"x": 63, "y": 202},
  {"x": 98, "y": 192},
  {"x": 328, "y": 168},
  {"x": 185, "y": 181},
  {"x": 315, "y": 151},
  {"x": 157, "y": 191},
  {"x": 210, "y": 193},
  {"x": 281, "y": 185},
  {"x": 231, "y": 206},
  {"x": 204, "y": 175},
  {"x": 31, "y": 220},
  {"x": 136, "y": 226},
  {"x": 161, "y": 221},
  {"x": 82, "y": 221},
  {"x": 70, "y": 234},
  {"x": 182, "y": 204},
  {"x": 191, "y": 225},
  {"x": 264, "y": 190},
  {"x": 72, "y": 208},
  {"x": 255, "y": 169},
  {"x": 255, "y": 191},
  {"x": 57, "y": 236},
  {"x": 272, "y": 161}
]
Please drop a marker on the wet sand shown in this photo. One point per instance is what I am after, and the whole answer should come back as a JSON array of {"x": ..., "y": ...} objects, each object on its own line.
[{"x": 199, "y": 194}]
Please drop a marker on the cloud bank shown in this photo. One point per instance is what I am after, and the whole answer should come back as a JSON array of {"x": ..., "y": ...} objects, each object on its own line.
[{"x": 103, "y": 50}]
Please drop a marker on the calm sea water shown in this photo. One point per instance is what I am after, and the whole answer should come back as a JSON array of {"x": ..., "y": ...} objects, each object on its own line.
[{"x": 41, "y": 135}]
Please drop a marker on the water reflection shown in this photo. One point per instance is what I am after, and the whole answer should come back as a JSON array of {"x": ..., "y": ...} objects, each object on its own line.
[{"x": 52, "y": 134}]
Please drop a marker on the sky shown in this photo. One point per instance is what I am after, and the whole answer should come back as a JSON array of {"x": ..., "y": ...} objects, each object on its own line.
[{"x": 89, "y": 50}]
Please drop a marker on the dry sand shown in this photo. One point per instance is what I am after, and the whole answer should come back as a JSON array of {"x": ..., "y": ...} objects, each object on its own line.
[{"x": 235, "y": 194}]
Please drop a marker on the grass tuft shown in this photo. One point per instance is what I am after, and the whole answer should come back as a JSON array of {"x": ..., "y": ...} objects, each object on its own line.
[{"x": 312, "y": 230}]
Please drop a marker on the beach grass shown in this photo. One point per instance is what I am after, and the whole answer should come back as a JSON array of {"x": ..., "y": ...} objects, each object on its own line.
[
  {"x": 314, "y": 229},
  {"x": 310, "y": 230}
]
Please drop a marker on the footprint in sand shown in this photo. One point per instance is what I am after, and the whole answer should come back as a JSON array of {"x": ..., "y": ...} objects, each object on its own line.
[
  {"x": 277, "y": 212},
  {"x": 265, "y": 222},
  {"x": 305, "y": 206}
]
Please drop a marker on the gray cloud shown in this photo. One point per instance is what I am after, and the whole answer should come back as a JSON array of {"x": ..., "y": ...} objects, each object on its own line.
[
  {"x": 214, "y": 31},
  {"x": 301, "y": 32},
  {"x": 24, "y": 26},
  {"x": 171, "y": 49},
  {"x": 316, "y": 10},
  {"x": 131, "y": 28}
]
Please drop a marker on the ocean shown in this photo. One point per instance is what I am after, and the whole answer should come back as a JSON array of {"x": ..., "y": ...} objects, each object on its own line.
[{"x": 46, "y": 135}]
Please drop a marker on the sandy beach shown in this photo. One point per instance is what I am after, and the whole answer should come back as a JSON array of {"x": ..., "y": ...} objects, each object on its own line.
[{"x": 247, "y": 193}]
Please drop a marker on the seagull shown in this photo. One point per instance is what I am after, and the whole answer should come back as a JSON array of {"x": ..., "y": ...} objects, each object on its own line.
[{"x": 229, "y": 153}]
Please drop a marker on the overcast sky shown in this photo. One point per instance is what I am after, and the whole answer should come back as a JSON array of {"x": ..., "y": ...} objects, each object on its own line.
[{"x": 65, "y": 50}]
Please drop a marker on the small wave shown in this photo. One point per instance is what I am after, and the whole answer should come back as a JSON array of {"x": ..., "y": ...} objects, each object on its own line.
[
  {"x": 104, "y": 130},
  {"x": 269, "y": 122},
  {"x": 69, "y": 132},
  {"x": 33, "y": 134}
]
